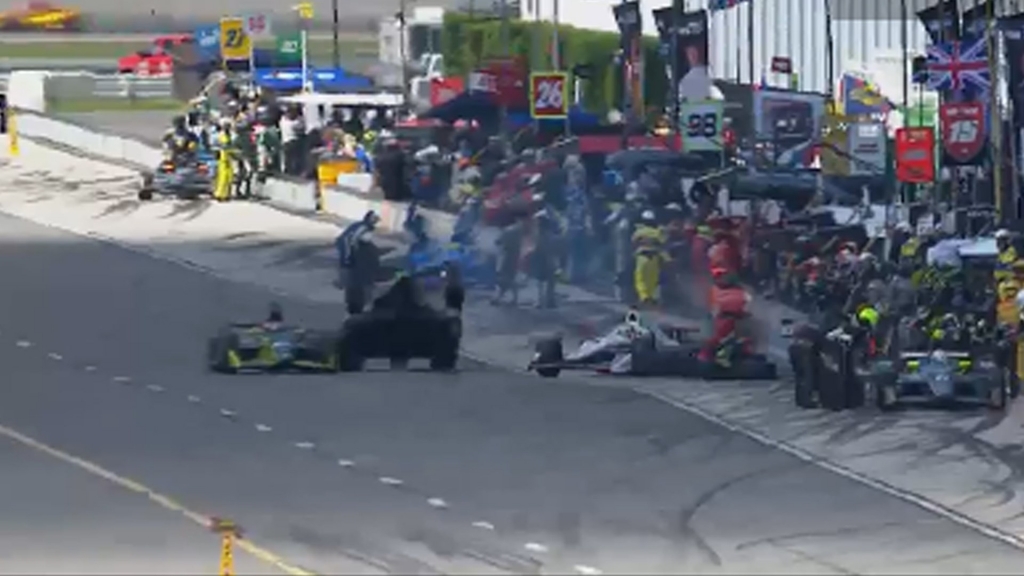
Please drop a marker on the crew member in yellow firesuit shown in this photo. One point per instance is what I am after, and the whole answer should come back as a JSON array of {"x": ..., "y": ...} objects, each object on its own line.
[
  {"x": 648, "y": 255},
  {"x": 1007, "y": 289},
  {"x": 225, "y": 162},
  {"x": 1005, "y": 258}
]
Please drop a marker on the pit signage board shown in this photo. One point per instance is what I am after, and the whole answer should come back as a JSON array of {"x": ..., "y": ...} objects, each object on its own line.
[
  {"x": 549, "y": 95},
  {"x": 700, "y": 124},
  {"x": 235, "y": 43}
]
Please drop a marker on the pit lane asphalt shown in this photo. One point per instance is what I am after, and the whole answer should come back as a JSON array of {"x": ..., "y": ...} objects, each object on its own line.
[
  {"x": 60, "y": 520},
  {"x": 484, "y": 471}
]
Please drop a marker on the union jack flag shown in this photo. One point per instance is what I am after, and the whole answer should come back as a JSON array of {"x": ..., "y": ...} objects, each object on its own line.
[{"x": 953, "y": 66}]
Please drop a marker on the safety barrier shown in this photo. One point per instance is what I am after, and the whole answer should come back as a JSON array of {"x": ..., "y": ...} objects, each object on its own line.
[
  {"x": 296, "y": 196},
  {"x": 120, "y": 85}
]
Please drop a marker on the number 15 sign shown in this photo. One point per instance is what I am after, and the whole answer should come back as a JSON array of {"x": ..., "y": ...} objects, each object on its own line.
[
  {"x": 549, "y": 95},
  {"x": 963, "y": 130}
]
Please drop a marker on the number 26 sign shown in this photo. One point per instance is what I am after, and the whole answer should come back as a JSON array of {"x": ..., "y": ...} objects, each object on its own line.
[{"x": 549, "y": 95}]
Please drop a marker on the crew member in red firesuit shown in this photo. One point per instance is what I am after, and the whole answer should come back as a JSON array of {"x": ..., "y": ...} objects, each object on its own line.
[
  {"x": 724, "y": 253},
  {"x": 729, "y": 304}
]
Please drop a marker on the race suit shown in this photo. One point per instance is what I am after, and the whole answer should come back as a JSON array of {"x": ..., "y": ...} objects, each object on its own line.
[
  {"x": 728, "y": 307},
  {"x": 649, "y": 254},
  {"x": 1004, "y": 264},
  {"x": 1007, "y": 313},
  {"x": 225, "y": 168},
  {"x": 244, "y": 161},
  {"x": 268, "y": 150}
]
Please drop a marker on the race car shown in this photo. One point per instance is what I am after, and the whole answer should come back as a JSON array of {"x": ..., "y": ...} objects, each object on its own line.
[
  {"x": 187, "y": 180},
  {"x": 400, "y": 326},
  {"x": 478, "y": 268},
  {"x": 41, "y": 16},
  {"x": 638, "y": 349},
  {"x": 272, "y": 347},
  {"x": 940, "y": 378}
]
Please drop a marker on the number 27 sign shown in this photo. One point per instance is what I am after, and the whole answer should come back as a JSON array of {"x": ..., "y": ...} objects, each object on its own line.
[{"x": 549, "y": 95}]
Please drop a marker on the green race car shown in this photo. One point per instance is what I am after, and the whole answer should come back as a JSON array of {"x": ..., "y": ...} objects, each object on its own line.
[{"x": 272, "y": 347}]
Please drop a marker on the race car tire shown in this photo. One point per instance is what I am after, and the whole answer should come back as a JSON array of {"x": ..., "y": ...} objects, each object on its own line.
[
  {"x": 348, "y": 359},
  {"x": 805, "y": 373},
  {"x": 886, "y": 397},
  {"x": 217, "y": 353},
  {"x": 145, "y": 194},
  {"x": 446, "y": 358},
  {"x": 549, "y": 351},
  {"x": 325, "y": 346},
  {"x": 998, "y": 395}
]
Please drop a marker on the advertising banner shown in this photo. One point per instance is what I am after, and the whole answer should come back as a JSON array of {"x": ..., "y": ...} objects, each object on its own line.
[
  {"x": 915, "y": 155},
  {"x": 791, "y": 122},
  {"x": 867, "y": 142},
  {"x": 964, "y": 133}
]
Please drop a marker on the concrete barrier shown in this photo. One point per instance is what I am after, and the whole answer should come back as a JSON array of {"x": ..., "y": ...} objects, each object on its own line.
[
  {"x": 291, "y": 195},
  {"x": 98, "y": 145}
]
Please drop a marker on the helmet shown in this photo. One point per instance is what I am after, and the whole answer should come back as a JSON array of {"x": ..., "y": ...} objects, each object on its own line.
[
  {"x": 1002, "y": 233},
  {"x": 647, "y": 216},
  {"x": 867, "y": 316}
]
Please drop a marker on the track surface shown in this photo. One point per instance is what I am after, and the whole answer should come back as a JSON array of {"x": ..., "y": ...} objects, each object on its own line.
[
  {"x": 569, "y": 477},
  {"x": 60, "y": 520}
]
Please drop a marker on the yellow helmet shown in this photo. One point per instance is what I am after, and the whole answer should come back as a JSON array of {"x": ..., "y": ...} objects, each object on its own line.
[{"x": 868, "y": 316}]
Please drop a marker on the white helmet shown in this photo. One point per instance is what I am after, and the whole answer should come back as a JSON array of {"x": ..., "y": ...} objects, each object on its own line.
[{"x": 1002, "y": 233}]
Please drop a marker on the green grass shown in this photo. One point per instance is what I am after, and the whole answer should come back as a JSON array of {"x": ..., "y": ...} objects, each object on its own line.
[
  {"x": 113, "y": 105},
  {"x": 319, "y": 48}
]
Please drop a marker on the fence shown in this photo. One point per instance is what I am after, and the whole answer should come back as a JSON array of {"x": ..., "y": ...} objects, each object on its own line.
[{"x": 122, "y": 86}]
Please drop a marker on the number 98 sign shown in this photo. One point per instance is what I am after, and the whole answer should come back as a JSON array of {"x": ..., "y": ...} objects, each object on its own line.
[{"x": 549, "y": 95}]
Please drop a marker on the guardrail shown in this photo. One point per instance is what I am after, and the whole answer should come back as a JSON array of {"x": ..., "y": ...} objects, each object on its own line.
[{"x": 122, "y": 86}]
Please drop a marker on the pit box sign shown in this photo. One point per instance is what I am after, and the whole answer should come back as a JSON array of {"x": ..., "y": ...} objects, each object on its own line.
[
  {"x": 915, "y": 155},
  {"x": 700, "y": 124},
  {"x": 258, "y": 26},
  {"x": 964, "y": 133},
  {"x": 234, "y": 42},
  {"x": 549, "y": 95}
]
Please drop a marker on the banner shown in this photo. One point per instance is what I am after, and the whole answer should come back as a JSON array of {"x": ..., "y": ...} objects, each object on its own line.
[
  {"x": 974, "y": 21},
  {"x": 835, "y": 145},
  {"x": 964, "y": 133},
  {"x": 942, "y": 21},
  {"x": 692, "y": 67},
  {"x": 701, "y": 125},
  {"x": 1013, "y": 45},
  {"x": 867, "y": 142},
  {"x": 207, "y": 42},
  {"x": 915, "y": 155},
  {"x": 627, "y": 17},
  {"x": 791, "y": 122}
]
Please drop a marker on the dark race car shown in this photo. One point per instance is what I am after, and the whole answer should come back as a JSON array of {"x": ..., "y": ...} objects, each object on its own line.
[
  {"x": 400, "y": 327},
  {"x": 272, "y": 347},
  {"x": 184, "y": 179},
  {"x": 638, "y": 349},
  {"x": 941, "y": 378}
]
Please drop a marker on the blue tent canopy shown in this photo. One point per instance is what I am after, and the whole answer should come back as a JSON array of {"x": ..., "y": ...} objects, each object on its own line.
[
  {"x": 481, "y": 107},
  {"x": 323, "y": 80}
]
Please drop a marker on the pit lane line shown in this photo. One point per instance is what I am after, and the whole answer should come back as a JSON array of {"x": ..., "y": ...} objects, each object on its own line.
[
  {"x": 260, "y": 553},
  {"x": 926, "y": 504}
]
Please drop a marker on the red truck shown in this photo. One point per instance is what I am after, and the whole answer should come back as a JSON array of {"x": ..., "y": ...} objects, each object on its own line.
[{"x": 155, "y": 60}]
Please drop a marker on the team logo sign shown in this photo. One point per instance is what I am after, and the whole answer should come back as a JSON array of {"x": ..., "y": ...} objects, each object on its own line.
[
  {"x": 963, "y": 129},
  {"x": 549, "y": 94}
]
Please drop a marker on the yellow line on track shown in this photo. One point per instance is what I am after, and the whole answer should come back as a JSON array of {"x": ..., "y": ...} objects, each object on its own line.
[{"x": 159, "y": 499}]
